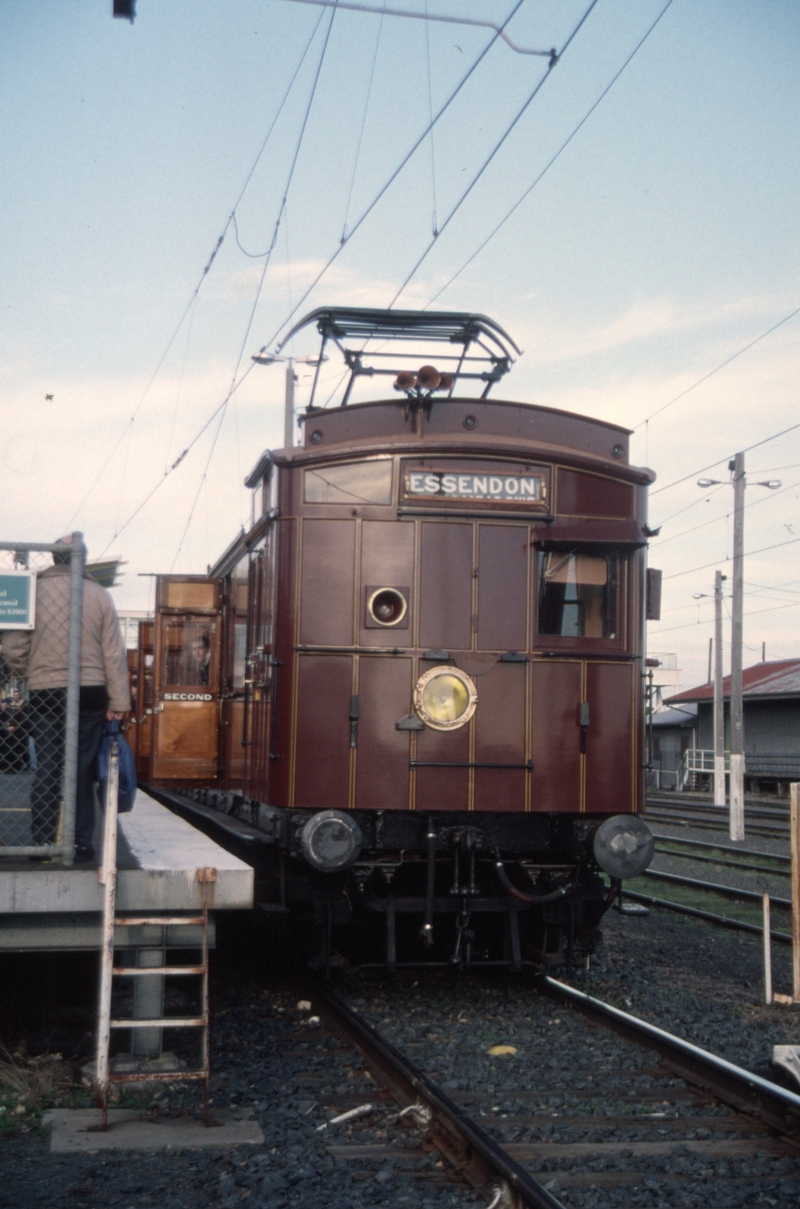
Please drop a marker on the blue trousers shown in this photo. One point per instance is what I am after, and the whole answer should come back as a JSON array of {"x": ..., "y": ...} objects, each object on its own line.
[{"x": 49, "y": 709}]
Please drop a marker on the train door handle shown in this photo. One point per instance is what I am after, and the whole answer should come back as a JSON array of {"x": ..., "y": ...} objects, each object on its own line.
[
  {"x": 584, "y": 724},
  {"x": 159, "y": 709},
  {"x": 354, "y": 711}
]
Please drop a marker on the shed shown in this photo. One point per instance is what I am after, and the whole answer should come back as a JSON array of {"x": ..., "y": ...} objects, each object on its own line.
[{"x": 771, "y": 700}]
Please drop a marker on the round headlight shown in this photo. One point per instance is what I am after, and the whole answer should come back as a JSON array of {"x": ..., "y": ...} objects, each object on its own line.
[
  {"x": 445, "y": 698},
  {"x": 623, "y": 846},
  {"x": 331, "y": 840}
]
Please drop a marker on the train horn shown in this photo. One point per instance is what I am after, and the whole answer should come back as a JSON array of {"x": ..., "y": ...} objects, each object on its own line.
[
  {"x": 405, "y": 381},
  {"x": 429, "y": 377},
  {"x": 446, "y": 382}
]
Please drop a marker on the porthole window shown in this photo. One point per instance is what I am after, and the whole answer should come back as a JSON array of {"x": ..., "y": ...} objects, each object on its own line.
[
  {"x": 445, "y": 698},
  {"x": 386, "y": 606}
]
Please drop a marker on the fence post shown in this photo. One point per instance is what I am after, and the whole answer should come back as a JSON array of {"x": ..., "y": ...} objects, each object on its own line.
[
  {"x": 767, "y": 950},
  {"x": 77, "y": 558},
  {"x": 795, "y": 840}
]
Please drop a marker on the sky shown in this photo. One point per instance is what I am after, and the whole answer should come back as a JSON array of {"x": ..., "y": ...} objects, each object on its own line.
[{"x": 660, "y": 242}]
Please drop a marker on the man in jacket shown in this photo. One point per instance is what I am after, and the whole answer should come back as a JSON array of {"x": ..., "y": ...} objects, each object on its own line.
[{"x": 41, "y": 656}]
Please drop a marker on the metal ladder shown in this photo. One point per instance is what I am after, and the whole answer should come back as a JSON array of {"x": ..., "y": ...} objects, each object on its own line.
[{"x": 111, "y": 921}]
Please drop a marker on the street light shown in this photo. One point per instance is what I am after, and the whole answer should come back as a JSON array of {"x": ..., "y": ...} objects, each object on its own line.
[
  {"x": 736, "y": 467},
  {"x": 291, "y": 379}
]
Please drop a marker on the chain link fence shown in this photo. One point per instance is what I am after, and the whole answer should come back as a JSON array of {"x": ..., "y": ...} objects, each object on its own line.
[{"x": 39, "y": 697}]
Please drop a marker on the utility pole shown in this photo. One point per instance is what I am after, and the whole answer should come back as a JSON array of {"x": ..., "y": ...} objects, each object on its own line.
[
  {"x": 737, "y": 713},
  {"x": 719, "y": 700},
  {"x": 736, "y": 467},
  {"x": 291, "y": 381},
  {"x": 288, "y": 414}
]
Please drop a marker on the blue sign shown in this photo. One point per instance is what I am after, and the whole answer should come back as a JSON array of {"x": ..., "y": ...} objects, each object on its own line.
[{"x": 17, "y": 600}]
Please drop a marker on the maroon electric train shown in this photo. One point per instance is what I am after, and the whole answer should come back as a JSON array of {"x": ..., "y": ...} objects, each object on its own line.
[{"x": 411, "y": 694}]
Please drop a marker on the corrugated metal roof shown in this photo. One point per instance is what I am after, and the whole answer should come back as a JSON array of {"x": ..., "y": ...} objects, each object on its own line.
[
  {"x": 778, "y": 679},
  {"x": 676, "y": 717}
]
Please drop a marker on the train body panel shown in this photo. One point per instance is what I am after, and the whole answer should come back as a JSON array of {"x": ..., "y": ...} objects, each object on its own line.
[{"x": 433, "y": 628}]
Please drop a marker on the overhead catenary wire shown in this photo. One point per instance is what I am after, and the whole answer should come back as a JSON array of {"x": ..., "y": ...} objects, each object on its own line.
[
  {"x": 198, "y": 286},
  {"x": 427, "y": 17},
  {"x": 722, "y": 365},
  {"x": 550, "y": 162},
  {"x": 390, "y": 179},
  {"x": 361, "y": 132},
  {"x": 728, "y": 457},
  {"x": 727, "y": 559},
  {"x": 708, "y": 599},
  {"x": 265, "y": 266},
  {"x": 554, "y": 58},
  {"x": 689, "y": 625},
  {"x": 726, "y": 515}
]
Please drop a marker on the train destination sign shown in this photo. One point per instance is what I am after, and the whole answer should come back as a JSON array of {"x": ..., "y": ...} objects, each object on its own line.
[
  {"x": 505, "y": 488},
  {"x": 17, "y": 600}
]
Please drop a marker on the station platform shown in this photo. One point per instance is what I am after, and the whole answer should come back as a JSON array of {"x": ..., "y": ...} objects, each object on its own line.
[{"x": 47, "y": 907}]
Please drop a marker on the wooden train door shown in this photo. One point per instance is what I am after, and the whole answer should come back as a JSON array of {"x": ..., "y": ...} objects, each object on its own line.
[
  {"x": 186, "y": 680},
  {"x": 142, "y": 700}
]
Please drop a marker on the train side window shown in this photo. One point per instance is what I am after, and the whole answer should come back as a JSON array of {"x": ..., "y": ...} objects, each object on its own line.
[
  {"x": 578, "y": 594},
  {"x": 188, "y": 653},
  {"x": 354, "y": 483}
]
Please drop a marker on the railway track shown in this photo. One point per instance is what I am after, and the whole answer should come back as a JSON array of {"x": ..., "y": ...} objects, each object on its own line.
[
  {"x": 698, "y": 896},
  {"x": 650, "y": 1110},
  {"x": 766, "y": 821}
]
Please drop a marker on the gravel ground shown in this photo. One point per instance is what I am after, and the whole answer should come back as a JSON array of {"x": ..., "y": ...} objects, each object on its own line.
[
  {"x": 293, "y": 1076},
  {"x": 701, "y": 982},
  {"x": 692, "y": 979}
]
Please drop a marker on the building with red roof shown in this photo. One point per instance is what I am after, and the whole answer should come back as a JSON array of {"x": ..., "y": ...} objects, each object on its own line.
[{"x": 771, "y": 699}]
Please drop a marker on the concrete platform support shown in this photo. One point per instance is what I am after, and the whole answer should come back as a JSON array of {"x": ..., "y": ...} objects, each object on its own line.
[{"x": 148, "y": 1003}]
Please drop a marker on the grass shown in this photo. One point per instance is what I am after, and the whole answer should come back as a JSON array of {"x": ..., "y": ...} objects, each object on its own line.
[{"x": 707, "y": 900}]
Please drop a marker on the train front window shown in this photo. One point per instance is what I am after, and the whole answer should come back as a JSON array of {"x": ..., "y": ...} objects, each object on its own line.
[
  {"x": 353, "y": 483},
  {"x": 578, "y": 594}
]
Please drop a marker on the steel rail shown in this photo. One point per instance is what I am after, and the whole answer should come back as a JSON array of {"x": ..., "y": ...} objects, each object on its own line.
[
  {"x": 740, "y": 1088},
  {"x": 466, "y": 1146},
  {"x": 677, "y": 879},
  {"x": 726, "y": 920},
  {"x": 722, "y": 862},
  {"x": 704, "y": 823},
  {"x": 677, "y": 839},
  {"x": 753, "y": 811}
]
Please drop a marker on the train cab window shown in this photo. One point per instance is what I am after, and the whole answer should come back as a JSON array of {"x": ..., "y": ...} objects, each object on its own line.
[
  {"x": 578, "y": 594},
  {"x": 354, "y": 483},
  {"x": 188, "y": 653}
]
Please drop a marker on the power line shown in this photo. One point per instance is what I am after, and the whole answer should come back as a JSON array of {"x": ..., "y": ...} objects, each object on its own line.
[
  {"x": 392, "y": 177},
  {"x": 727, "y": 458},
  {"x": 717, "y": 561},
  {"x": 426, "y": 17},
  {"x": 361, "y": 131},
  {"x": 550, "y": 163},
  {"x": 711, "y": 373},
  {"x": 708, "y": 600},
  {"x": 554, "y": 58},
  {"x": 203, "y": 276},
  {"x": 180, "y": 458},
  {"x": 725, "y": 516},
  {"x": 702, "y": 499},
  {"x": 709, "y": 621},
  {"x": 199, "y": 490},
  {"x": 234, "y": 383}
]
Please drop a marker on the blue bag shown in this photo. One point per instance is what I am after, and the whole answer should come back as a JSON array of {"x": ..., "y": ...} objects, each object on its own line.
[{"x": 127, "y": 767}]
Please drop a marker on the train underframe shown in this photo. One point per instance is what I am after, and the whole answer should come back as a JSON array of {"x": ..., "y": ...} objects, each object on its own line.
[{"x": 443, "y": 888}]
